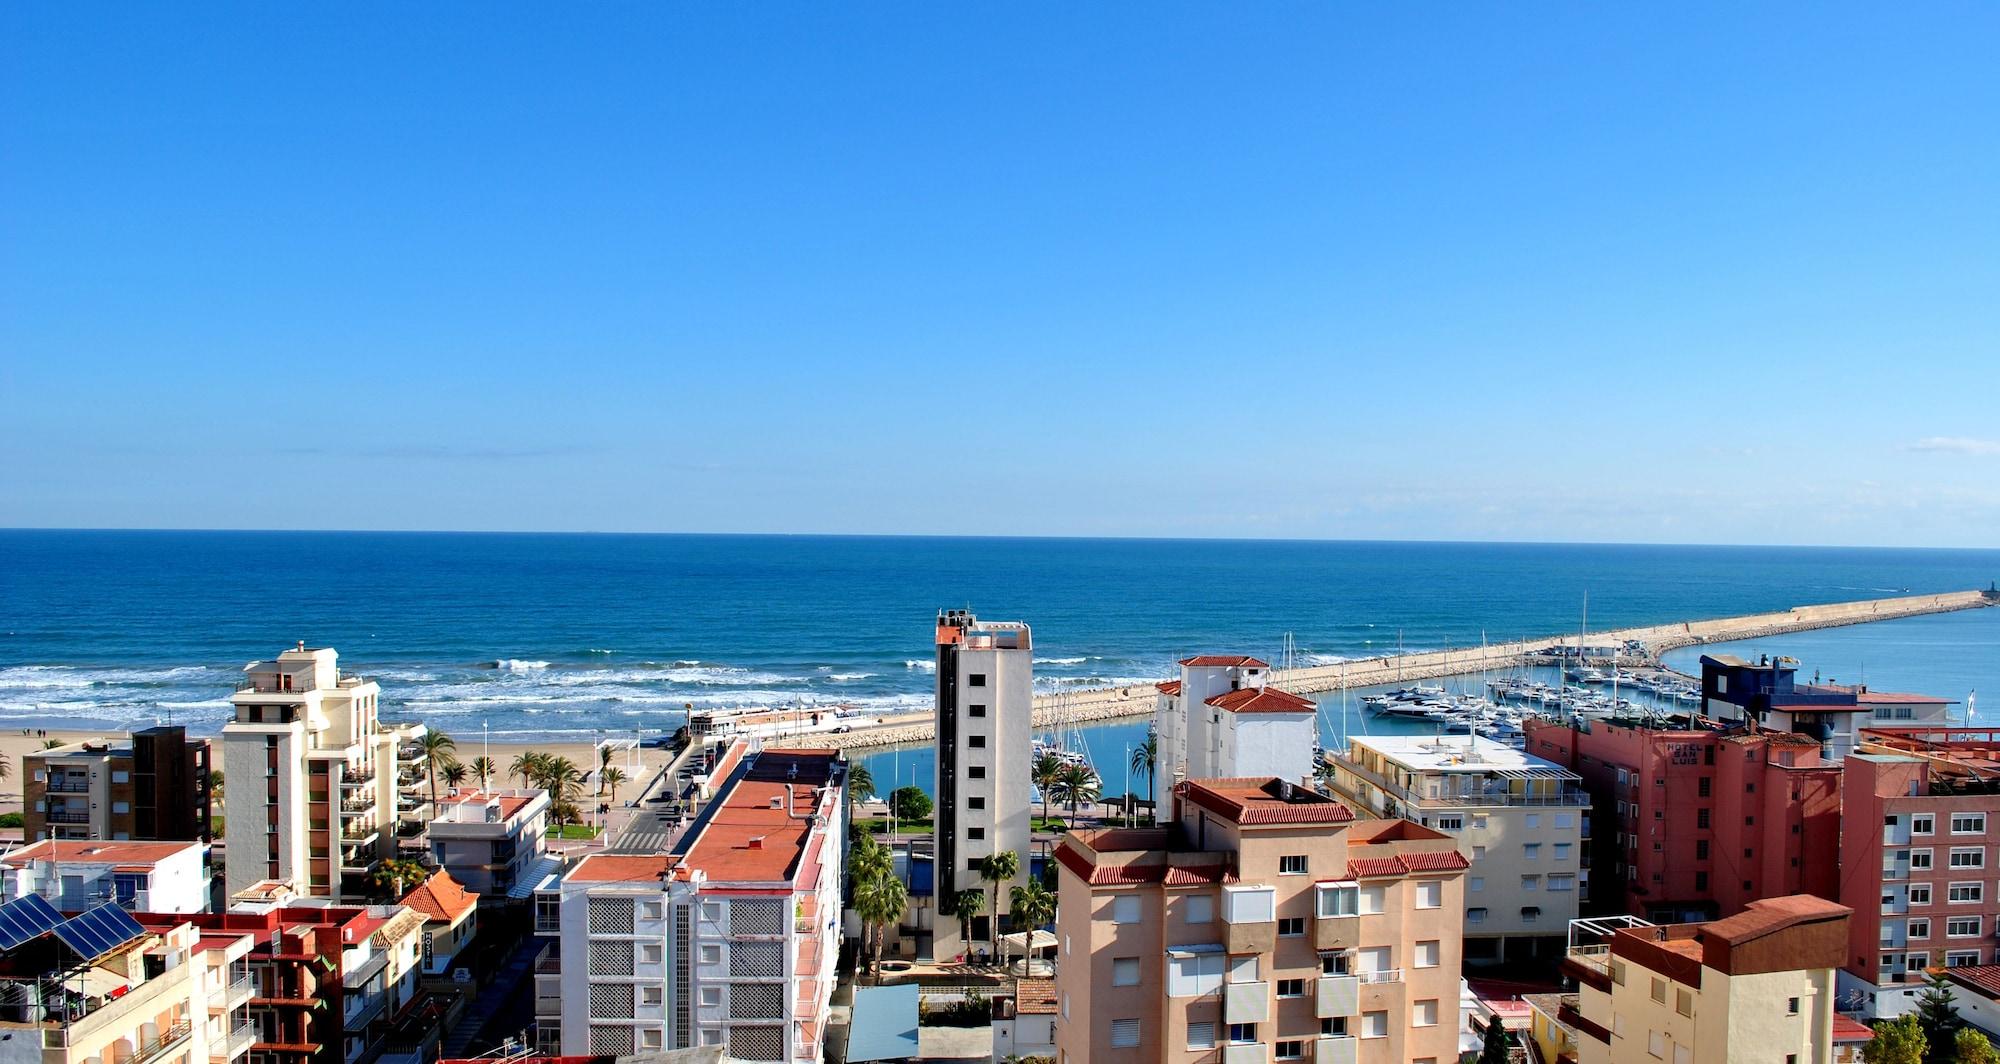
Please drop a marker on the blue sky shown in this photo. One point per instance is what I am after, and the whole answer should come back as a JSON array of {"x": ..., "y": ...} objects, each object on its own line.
[{"x": 1699, "y": 274}]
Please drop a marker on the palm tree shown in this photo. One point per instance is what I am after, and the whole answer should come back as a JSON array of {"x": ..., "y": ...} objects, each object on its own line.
[
  {"x": 603, "y": 765},
  {"x": 995, "y": 870},
  {"x": 485, "y": 769},
  {"x": 860, "y": 783},
  {"x": 561, "y": 778},
  {"x": 614, "y": 777},
  {"x": 1047, "y": 769},
  {"x": 50, "y": 744},
  {"x": 528, "y": 766},
  {"x": 968, "y": 903},
  {"x": 434, "y": 749},
  {"x": 872, "y": 866},
  {"x": 1032, "y": 905},
  {"x": 881, "y": 900},
  {"x": 455, "y": 774},
  {"x": 1146, "y": 760},
  {"x": 1077, "y": 785}
]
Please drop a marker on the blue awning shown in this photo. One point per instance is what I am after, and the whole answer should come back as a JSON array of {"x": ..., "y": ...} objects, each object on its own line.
[{"x": 883, "y": 1024}]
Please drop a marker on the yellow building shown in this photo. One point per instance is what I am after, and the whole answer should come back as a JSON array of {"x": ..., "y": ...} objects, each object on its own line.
[{"x": 1757, "y": 986}]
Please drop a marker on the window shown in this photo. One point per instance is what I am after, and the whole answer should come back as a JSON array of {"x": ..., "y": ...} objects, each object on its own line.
[
  {"x": 1289, "y": 988},
  {"x": 1530, "y": 882},
  {"x": 974, "y": 864},
  {"x": 1701, "y": 787},
  {"x": 975, "y": 833},
  {"x": 1241, "y": 1033},
  {"x": 1424, "y": 1013},
  {"x": 1974, "y": 857},
  {"x": 1427, "y": 954},
  {"x": 1333, "y": 1027},
  {"x": 1701, "y": 849},
  {"x": 1565, "y": 820},
  {"x": 1531, "y": 851},
  {"x": 1124, "y": 1034},
  {"x": 1375, "y": 1024},
  {"x": 1333, "y": 964},
  {"x": 1922, "y": 824},
  {"x": 1198, "y": 909},
  {"x": 1791, "y": 1006},
  {"x": 1658, "y": 990},
  {"x": 1684, "y": 1001},
  {"x": 121, "y": 808},
  {"x": 1617, "y": 971},
  {"x": 1701, "y": 818},
  {"x": 711, "y": 954},
  {"x": 1373, "y": 959},
  {"x": 1249, "y": 905},
  {"x": 1450, "y": 823},
  {"x": 1194, "y": 974},
  {"x": 1562, "y": 882},
  {"x": 975, "y": 772},
  {"x": 1125, "y": 971},
  {"x": 1920, "y": 894},
  {"x": 1476, "y": 915},
  {"x": 1968, "y": 823},
  {"x": 1534, "y": 820},
  {"x": 1201, "y": 1036},
  {"x": 1562, "y": 851},
  {"x": 975, "y": 802},
  {"x": 1919, "y": 928},
  {"x": 1371, "y": 900},
  {"x": 1293, "y": 864},
  {"x": 1125, "y": 909},
  {"x": 1292, "y": 927},
  {"x": 977, "y": 679},
  {"x": 1920, "y": 858},
  {"x": 1243, "y": 969},
  {"x": 1961, "y": 958},
  {"x": 1961, "y": 927},
  {"x": 1475, "y": 884},
  {"x": 1430, "y": 894},
  {"x": 1959, "y": 893},
  {"x": 1656, "y": 1043},
  {"x": 976, "y": 710},
  {"x": 1335, "y": 899},
  {"x": 977, "y": 742},
  {"x": 1289, "y": 1049}
]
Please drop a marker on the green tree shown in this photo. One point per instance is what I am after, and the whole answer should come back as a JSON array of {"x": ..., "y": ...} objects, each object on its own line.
[
  {"x": 996, "y": 869},
  {"x": 1972, "y": 1047},
  {"x": 455, "y": 774},
  {"x": 1497, "y": 1043},
  {"x": 603, "y": 765},
  {"x": 398, "y": 875},
  {"x": 968, "y": 903},
  {"x": 910, "y": 803},
  {"x": 1032, "y": 906},
  {"x": 614, "y": 778},
  {"x": 1077, "y": 785},
  {"x": 1146, "y": 761},
  {"x": 528, "y": 766},
  {"x": 880, "y": 898},
  {"x": 485, "y": 769},
  {"x": 1046, "y": 771},
  {"x": 434, "y": 750},
  {"x": 1897, "y": 1041},
  {"x": 860, "y": 783},
  {"x": 1938, "y": 1016}
]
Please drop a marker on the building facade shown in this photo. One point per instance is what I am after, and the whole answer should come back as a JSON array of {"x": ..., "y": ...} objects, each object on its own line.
[
  {"x": 985, "y": 751},
  {"x": 491, "y": 841},
  {"x": 1264, "y": 923},
  {"x": 148, "y": 877},
  {"x": 313, "y": 776},
  {"x": 1224, "y": 719},
  {"x": 151, "y": 785},
  {"x": 1758, "y": 985},
  {"x": 1767, "y": 693},
  {"x": 1521, "y": 821},
  {"x": 728, "y": 940}
]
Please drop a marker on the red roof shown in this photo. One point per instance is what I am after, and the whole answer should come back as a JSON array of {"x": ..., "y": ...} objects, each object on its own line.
[
  {"x": 1984, "y": 978},
  {"x": 1169, "y": 687},
  {"x": 622, "y": 868},
  {"x": 1367, "y": 867},
  {"x": 1266, "y": 800},
  {"x": 1436, "y": 861},
  {"x": 91, "y": 852},
  {"x": 751, "y": 834},
  {"x": 1198, "y": 875},
  {"x": 1261, "y": 700},
  {"x": 1209, "y": 661},
  {"x": 441, "y": 898},
  {"x": 1848, "y": 1029},
  {"x": 1405, "y": 863}
]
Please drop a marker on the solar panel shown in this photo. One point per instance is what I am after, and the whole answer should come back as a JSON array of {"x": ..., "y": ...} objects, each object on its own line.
[
  {"x": 27, "y": 917},
  {"x": 99, "y": 931}
]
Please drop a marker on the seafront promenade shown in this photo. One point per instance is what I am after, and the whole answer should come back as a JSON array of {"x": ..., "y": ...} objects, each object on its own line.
[{"x": 1122, "y": 703}]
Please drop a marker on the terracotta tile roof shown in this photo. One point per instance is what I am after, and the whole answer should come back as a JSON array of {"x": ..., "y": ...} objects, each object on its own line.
[
  {"x": 1848, "y": 1029},
  {"x": 1169, "y": 687},
  {"x": 1768, "y": 915},
  {"x": 1035, "y": 997},
  {"x": 92, "y": 852},
  {"x": 1126, "y": 875},
  {"x": 441, "y": 898},
  {"x": 1984, "y": 978},
  {"x": 1266, "y": 800},
  {"x": 1436, "y": 861},
  {"x": 1198, "y": 875},
  {"x": 1405, "y": 863},
  {"x": 1371, "y": 867},
  {"x": 1261, "y": 700},
  {"x": 1202, "y": 661},
  {"x": 622, "y": 868}
]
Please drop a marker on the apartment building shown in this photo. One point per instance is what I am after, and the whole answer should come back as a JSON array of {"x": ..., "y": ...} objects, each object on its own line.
[
  {"x": 985, "y": 750},
  {"x": 449, "y": 912},
  {"x": 1919, "y": 845},
  {"x": 149, "y": 785},
  {"x": 1767, "y": 693},
  {"x": 727, "y": 940},
  {"x": 149, "y": 877},
  {"x": 1263, "y": 922},
  {"x": 491, "y": 840},
  {"x": 1223, "y": 719},
  {"x": 101, "y": 986},
  {"x": 1522, "y": 822},
  {"x": 1692, "y": 819},
  {"x": 313, "y": 776},
  {"x": 1756, "y": 986}
]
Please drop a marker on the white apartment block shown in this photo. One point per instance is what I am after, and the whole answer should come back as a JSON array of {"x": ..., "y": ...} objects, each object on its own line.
[
  {"x": 729, "y": 940},
  {"x": 1522, "y": 822},
  {"x": 1222, "y": 720},
  {"x": 148, "y": 877},
  {"x": 312, "y": 772},
  {"x": 493, "y": 842},
  {"x": 985, "y": 742}
]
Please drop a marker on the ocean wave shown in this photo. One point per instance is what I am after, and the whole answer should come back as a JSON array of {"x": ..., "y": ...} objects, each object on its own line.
[
  {"x": 517, "y": 665},
  {"x": 849, "y": 677},
  {"x": 920, "y": 665},
  {"x": 43, "y": 677},
  {"x": 1060, "y": 661}
]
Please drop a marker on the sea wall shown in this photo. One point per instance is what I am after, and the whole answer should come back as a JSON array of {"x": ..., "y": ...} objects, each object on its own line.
[{"x": 1118, "y": 703}]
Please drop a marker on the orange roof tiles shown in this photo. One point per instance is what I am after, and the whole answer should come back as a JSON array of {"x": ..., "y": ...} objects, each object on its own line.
[
  {"x": 1261, "y": 700},
  {"x": 754, "y": 834},
  {"x": 1201, "y": 661},
  {"x": 1035, "y": 997},
  {"x": 1169, "y": 687},
  {"x": 622, "y": 868},
  {"x": 91, "y": 852},
  {"x": 1267, "y": 800},
  {"x": 441, "y": 898}
]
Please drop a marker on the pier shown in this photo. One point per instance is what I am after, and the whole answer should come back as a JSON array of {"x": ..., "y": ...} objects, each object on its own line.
[{"x": 1125, "y": 703}]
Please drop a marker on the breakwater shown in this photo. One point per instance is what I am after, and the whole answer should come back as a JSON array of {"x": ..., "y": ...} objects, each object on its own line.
[{"x": 1121, "y": 703}]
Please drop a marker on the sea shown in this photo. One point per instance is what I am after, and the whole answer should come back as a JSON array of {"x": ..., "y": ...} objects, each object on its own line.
[{"x": 576, "y": 636}]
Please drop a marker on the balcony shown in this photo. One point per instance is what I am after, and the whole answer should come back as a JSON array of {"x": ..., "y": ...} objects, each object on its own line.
[
  {"x": 1895, "y": 874},
  {"x": 65, "y": 816},
  {"x": 359, "y": 833},
  {"x": 358, "y": 802},
  {"x": 1245, "y": 1053},
  {"x": 1342, "y": 1049},
  {"x": 1339, "y": 995},
  {"x": 69, "y": 785},
  {"x": 160, "y": 1044},
  {"x": 358, "y": 777},
  {"x": 1246, "y": 1002},
  {"x": 1386, "y": 975},
  {"x": 1566, "y": 792},
  {"x": 1336, "y": 932},
  {"x": 235, "y": 1044},
  {"x": 234, "y": 994}
]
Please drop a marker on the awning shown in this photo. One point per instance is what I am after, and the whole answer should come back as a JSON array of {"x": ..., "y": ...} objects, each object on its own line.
[
  {"x": 1020, "y": 940},
  {"x": 884, "y": 1023},
  {"x": 98, "y": 983},
  {"x": 534, "y": 876}
]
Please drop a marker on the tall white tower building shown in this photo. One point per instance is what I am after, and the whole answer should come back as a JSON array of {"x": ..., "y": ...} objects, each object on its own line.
[{"x": 985, "y": 739}]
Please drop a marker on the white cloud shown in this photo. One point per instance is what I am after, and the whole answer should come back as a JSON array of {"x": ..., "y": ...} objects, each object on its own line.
[{"x": 1956, "y": 445}]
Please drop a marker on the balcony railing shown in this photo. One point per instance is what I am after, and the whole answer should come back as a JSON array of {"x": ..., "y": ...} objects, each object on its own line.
[
  {"x": 1565, "y": 795},
  {"x": 234, "y": 993},
  {"x": 69, "y": 785},
  {"x": 158, "y": 1046},
  {"x": 1386, "y": 975},
  {"x": 64, "y": 816},
  {"x": 234, "y": 1044},
  {"x": 358, "y": 777}
]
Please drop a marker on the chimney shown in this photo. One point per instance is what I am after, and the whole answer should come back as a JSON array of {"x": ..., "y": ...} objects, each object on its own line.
[{"x": 756, "y": 842}]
